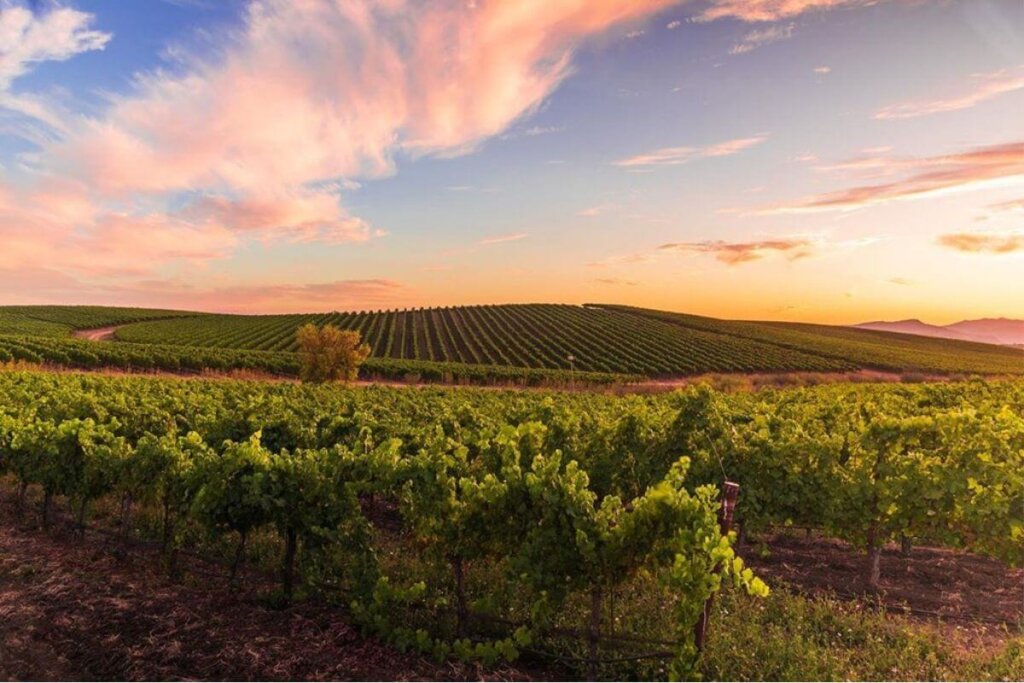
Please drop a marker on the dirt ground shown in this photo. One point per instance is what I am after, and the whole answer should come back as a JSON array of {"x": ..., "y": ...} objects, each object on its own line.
[
  {"x": 72, "y": 610},
  {"x": 932, "y": 582},
  {"x": 97, "y": 334}
]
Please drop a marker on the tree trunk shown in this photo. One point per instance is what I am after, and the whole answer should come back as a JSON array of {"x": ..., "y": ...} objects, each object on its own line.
[
  {"x": 288, "y": 578},
  {"x": 45, "y": 512},
  {"x": 906, "y": 545},
  {"x": 593, "y": 632},
  {"x": 239, "y": 556},
  {"x": 461, "y": 610},
  {"x": 741, "y": 538},
  {"x": 873, "y": 568}
]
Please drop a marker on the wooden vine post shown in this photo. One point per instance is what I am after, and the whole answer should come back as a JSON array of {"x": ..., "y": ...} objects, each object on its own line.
[{"x": 730, "y": 492}]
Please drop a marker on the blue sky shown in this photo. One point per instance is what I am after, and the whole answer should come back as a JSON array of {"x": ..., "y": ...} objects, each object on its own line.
[{"x": 830, "y": 160}]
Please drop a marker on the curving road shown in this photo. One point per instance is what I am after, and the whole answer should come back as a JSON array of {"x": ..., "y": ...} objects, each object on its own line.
[{"x": 96, "y": 334}]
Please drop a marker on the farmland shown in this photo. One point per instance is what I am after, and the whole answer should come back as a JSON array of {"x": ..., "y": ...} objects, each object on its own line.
[
  {"x": 520, "y": 527},
  {"x": 523, "y": 344}
]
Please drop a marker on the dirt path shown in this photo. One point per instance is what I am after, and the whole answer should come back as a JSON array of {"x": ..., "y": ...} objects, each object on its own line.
[{"x": 97, "y": 334}]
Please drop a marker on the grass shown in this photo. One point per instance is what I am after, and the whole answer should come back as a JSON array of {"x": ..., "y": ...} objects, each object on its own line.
[{"x": 790, "y": 637}]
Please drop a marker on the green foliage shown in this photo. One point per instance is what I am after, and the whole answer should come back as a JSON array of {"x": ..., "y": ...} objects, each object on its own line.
[{"x": 430, "y": 510}]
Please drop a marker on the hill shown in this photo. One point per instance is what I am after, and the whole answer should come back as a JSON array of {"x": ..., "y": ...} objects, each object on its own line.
[
  {"x": 924, "y": 329},
  {"x": 1005, "y": 331},
  {"x": 868, "y": 349},
  {"x": 493, "y": 343}
]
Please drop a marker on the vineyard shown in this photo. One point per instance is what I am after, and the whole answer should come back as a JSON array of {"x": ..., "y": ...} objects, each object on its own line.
[
  {"x": 533, "y": 336},
  {"x": 535, "y": 344},
  {"x": 486, "y": 525},
  {"x": 59, "y": 321},
  {"x": 864, "y": 348}
]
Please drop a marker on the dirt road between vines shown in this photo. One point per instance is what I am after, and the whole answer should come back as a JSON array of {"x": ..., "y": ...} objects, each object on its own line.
[{"x": 97, "y": 334}]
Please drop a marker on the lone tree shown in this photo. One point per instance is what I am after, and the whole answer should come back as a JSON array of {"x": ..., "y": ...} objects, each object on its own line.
[{"x": 328, "y": 354}]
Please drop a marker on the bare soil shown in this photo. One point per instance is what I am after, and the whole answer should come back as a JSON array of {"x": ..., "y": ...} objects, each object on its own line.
[
  {"x": 932, "y": 583},
  {"x": 74, "y": 610},
  {"x": 97, "y": 334}
]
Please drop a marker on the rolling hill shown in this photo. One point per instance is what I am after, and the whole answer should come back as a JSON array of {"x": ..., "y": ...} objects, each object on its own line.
[
  {"x": 1005, "y": 331},
  {"x": 491, "y": 342}
]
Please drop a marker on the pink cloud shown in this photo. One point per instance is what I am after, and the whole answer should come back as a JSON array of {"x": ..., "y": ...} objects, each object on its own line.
[
  {"x": 926, "y": 176},
  {"x": 303, "y": 98},
  {"x": 318, "y": 90},
  {"x": 983, "y": 87},
  {"x": 735, "y": 253},
  {"x": 305, "y": 217},
  {"x": 771, "y": 10},
  {"x": 674, "y": 156},
  {"x": 976, "y": 243},
  {"x": 501, "y": 239},
  {"x": 1012, "y": 205},
  {"x": 276, "y": 298}
]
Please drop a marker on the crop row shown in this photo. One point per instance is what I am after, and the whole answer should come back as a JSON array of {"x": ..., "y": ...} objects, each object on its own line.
[
  {"x": 76, "y": 353},
  {"x": 532, "y": 336},
  {"x": 866, "y": 348},
  {"x": 56, "y": 321}
]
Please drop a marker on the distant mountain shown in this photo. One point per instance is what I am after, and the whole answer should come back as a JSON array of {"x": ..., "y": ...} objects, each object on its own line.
[
  {"x": 1006, "y": 330},
  {"x": 1003, "y": 331}
]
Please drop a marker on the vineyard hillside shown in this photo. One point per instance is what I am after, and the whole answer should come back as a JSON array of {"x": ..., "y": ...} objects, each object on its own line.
[{"x": 540, "y": 342}]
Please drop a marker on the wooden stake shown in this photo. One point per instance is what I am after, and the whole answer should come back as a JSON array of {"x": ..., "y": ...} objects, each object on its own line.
[{"x": 730, "y": 492}]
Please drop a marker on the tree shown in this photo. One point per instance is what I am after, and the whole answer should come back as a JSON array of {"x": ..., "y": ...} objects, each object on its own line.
[{"x": 329, "y": 354}]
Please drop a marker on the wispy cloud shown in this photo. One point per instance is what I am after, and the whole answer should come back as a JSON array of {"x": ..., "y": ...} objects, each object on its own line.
[
  {"x": 501, "y": 239},
  {"x": 761, "y": 37},
  {"x": 27, "y": 38},
  {"x": 673, "y": 25},
  {"x": 674, "y": 156},
  {"x": 983, "y": 87},
  {"x": 532, "y": 132},
  {"x": 822, "y": 70},
  {"x": 597, "y": 210},
  {"x": 53, "y": 34},
  {"x": 901, "y": 281},
  {"x": 736, "y": 253},
  {"x": 616, "y": 282},
  {"x": 926, "y": 176},
  {"x": 984, "y": 243},
  {"x": 1012, "y": 205},
  {"x": 771, "y": 10}
]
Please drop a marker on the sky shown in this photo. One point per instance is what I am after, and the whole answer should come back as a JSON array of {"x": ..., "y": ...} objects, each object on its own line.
[{"x": 824, "y": 160}]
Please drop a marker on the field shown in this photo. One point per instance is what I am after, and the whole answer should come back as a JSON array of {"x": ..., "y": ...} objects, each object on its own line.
[
  {"x": 522, "y": 344},
  {"x": 527, "y": 534}
]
